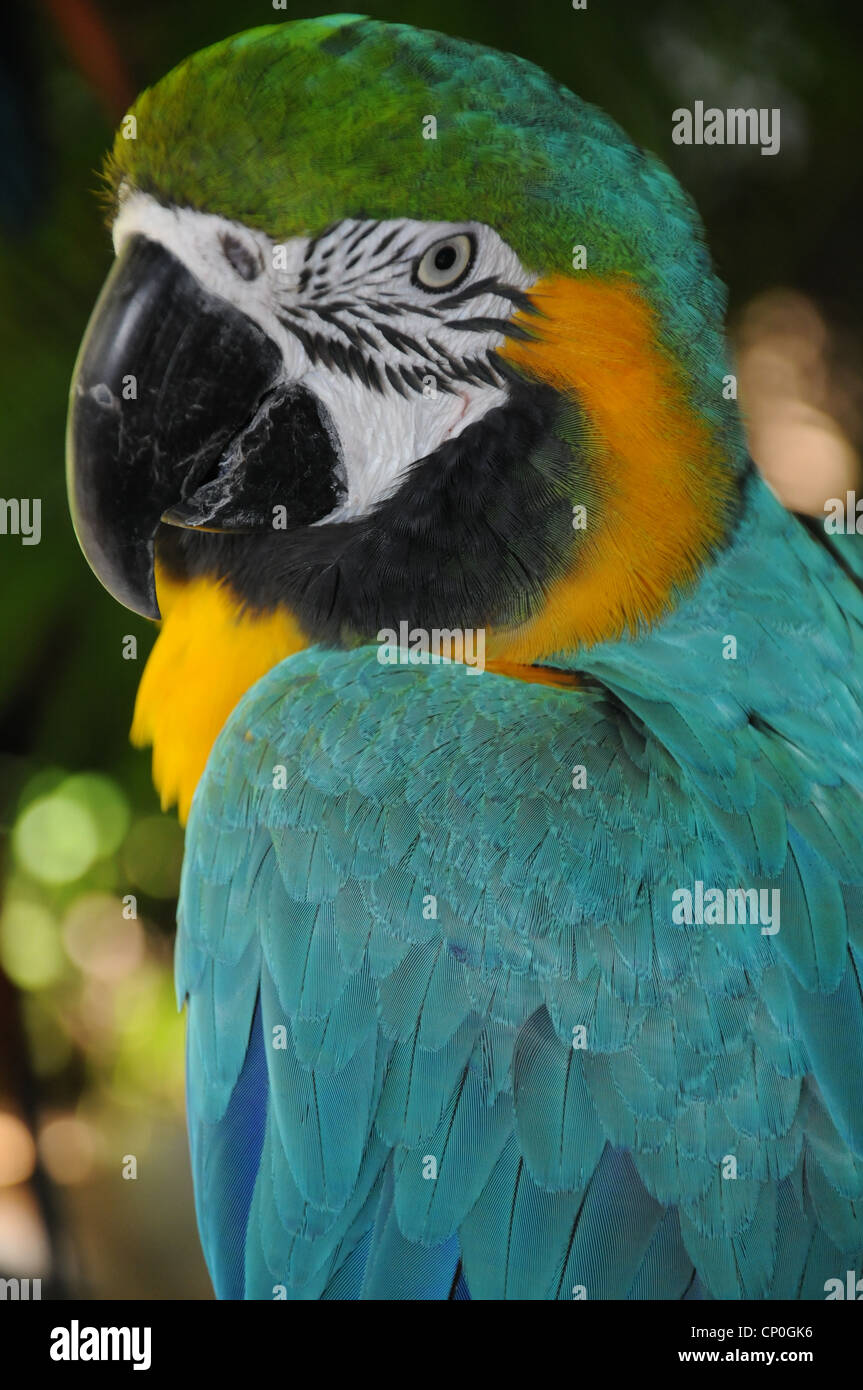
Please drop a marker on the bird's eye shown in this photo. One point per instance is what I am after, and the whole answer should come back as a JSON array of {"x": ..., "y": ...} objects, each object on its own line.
[
  {"x": 243, "y": 261},
  {"x": 445, "y": 263}
]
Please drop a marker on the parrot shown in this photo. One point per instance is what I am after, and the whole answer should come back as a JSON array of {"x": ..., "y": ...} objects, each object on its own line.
[{"x": 516, "y": 726}]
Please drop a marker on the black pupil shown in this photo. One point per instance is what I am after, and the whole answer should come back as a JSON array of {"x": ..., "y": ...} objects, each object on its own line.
[{"x": 445, "y": 258}]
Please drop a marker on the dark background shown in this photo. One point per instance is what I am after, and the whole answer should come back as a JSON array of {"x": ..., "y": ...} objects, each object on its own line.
[{"x": 90, "y": 1042}]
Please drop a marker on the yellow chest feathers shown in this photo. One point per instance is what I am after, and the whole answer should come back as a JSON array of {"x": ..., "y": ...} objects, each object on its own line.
[{"x": 209, "y": 652}]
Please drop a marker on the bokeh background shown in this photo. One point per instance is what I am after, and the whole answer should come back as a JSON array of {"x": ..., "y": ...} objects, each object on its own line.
[{"x": 91, "y": 1045}]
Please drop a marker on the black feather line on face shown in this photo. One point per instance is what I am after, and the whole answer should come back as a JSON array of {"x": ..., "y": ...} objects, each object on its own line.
[
  {"x": 413, "y": 309},
  {"x": 366, "y": 338},
  {"x": 479, "y": 371},
  {"x": 328, "y": 314},
  {"x": 504, "y": 326},
  {"x": 403, "y": 342},
  {"x": 473, "y": 537},
  {"x": 365, "y": 229},
  {"x": 393, "y": 379},
  {"x": 348, "y": 358},
  {"x": 412, "y": 378},
  {"x": 397, "y": 255},
  {"x": 316, "y": 241},
  {"x": 379, "y": 308},
  {"x": 385, "y": 241},
  {"x": 490, "y": 285}
]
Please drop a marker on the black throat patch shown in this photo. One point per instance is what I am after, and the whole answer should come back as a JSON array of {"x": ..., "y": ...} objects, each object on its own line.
[{"x": 474, "y": 536}]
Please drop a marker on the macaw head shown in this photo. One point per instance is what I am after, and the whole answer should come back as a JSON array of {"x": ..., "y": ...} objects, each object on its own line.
[{"x": 399, "y": 329}]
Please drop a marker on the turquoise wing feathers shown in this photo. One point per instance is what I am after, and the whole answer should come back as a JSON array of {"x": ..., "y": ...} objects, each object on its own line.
[{"x": 437, "y": 996}]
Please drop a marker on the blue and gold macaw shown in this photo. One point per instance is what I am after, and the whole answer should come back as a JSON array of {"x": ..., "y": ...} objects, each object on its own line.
[{"x": 519, "y": 728}]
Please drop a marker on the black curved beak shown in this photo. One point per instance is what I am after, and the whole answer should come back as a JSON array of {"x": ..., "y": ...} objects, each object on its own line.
[{"x": 180, "y": 412}]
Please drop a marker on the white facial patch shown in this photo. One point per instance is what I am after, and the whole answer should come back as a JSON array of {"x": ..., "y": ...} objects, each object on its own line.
[{"x": 400, "y": 367}]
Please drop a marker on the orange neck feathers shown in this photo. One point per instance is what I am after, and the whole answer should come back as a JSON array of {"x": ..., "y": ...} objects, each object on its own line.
[{"x": 661, "y": 478}]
